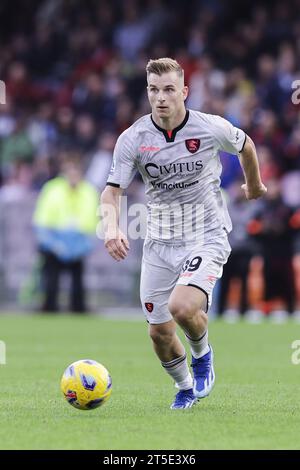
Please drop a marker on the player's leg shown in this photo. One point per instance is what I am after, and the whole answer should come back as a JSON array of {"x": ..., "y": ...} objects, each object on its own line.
[
  {"x": 166, "y": 343},
  {"x": 157, "y": 281},
  {"x": 189, "y": 304},
  {"x": 77, "y": 294},
  {"x": 172, "y": 355},
  {"x": 50, "y": 277}
]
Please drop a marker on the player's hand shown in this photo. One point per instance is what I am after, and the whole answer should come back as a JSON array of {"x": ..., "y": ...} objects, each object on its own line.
[
  {"x": 254, "y": 192},
  {"x": 117, "y": 245}
]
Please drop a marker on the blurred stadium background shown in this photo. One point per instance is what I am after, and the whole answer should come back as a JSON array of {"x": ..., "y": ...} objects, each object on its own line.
[{"x": 74, "y": 73}]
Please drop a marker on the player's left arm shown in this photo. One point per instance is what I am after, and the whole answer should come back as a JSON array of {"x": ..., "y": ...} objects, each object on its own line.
[{"x": 253, "y": 187}]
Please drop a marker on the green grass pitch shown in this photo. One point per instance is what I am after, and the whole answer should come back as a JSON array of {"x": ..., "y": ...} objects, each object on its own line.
[{"x": 254, "y": 405}]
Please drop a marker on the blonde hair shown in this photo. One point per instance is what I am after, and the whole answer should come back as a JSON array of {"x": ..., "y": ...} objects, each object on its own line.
[{"x": 164, "y": 65}]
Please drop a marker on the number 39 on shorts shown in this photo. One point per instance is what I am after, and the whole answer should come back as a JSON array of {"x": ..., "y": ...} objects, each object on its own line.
[{"x": 192, "y": 265}]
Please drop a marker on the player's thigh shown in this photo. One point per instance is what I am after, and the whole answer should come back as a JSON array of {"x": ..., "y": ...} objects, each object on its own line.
[
  {"x": 201, "y": 268},
  {"x": 187, "y": 299},
  {"x": 157, "y": 283}
]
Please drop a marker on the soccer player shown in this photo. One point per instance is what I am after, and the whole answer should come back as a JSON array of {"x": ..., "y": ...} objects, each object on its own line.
[{"x": 176, "y": 152}]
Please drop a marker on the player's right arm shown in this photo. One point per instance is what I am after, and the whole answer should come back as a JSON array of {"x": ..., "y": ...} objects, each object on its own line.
[
  {"x": 115, "y": 242},
  {"x": 121, "y": 174}
]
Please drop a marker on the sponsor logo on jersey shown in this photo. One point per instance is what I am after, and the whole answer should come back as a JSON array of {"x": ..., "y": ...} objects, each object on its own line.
[
  {"x": 192, "y": 145},
  {"x": 149, "y": 306},
  {"x": 151, "y": 148},
  {"x": 180, "y": 185},
  {"x": 155, "y": 171}
]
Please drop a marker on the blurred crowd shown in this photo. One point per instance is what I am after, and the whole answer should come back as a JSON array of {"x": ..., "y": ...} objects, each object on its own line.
[{"x": 75, "y": 79}]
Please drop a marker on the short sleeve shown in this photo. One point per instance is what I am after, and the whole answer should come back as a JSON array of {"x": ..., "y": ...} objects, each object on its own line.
[
  {"x": 228, "y": 138},
  {"x": 123, "y": 166}
]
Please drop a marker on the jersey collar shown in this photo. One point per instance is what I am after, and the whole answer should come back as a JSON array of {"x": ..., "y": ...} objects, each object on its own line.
[{"x": 170, "y": 135}]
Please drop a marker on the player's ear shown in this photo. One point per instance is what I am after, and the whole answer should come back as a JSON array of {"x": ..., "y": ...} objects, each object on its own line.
[{"x": 185, "y": 92}]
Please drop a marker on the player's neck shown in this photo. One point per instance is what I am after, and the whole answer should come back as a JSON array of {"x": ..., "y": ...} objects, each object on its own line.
[{"x": 170, "y": 123}]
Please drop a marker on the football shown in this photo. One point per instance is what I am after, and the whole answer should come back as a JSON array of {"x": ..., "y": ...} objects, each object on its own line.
[{"x": 86, "y": 384}]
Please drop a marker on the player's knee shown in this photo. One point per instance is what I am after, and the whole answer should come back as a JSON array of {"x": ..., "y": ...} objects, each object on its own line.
[
  {"x": 160, "y": 336},
  {"x": 182, "y": 310}
]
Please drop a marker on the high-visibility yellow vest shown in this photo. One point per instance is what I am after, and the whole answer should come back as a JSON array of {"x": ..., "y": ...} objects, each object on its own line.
[{"x": 60, "y": 206}]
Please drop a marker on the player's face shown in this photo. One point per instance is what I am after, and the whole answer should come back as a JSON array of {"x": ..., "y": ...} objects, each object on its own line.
[{"x": 166, "y": 94}]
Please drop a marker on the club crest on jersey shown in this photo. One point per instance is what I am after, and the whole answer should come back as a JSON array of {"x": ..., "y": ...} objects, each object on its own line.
[
  {"x": 149, "y": 306},
  {"x": 192, "y": 145}
]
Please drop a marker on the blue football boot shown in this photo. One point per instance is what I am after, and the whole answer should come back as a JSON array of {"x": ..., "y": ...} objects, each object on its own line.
[
  {"x": 184, "y": 399},
  {"x": 204, "y": 375}
]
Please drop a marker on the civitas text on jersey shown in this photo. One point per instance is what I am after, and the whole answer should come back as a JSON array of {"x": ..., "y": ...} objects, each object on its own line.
[{"x": 155, "y": 171}]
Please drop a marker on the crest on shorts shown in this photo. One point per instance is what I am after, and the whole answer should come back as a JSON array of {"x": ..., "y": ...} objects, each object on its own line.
[
  {"x": 149, "y": 306},
  {"x": 192, "y": 145}
]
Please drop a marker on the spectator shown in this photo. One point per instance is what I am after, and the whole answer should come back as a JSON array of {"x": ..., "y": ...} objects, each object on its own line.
[
  {"x": 271, "y": 226},
  {"x": 233, "y": 290},
  {"x": 65, "y": 223},
  {"x": 101, "y": 162}
]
